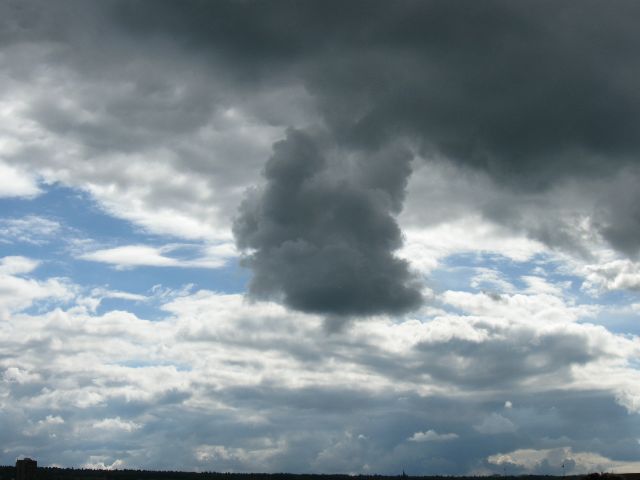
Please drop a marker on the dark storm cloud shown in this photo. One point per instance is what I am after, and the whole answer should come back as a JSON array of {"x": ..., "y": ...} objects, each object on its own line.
[
  {"x": 323, "y": 241},
  {"x": 518, "y": 88},
  {"x": 619, "y": 215},
  {"x": 522, "y": 89}
]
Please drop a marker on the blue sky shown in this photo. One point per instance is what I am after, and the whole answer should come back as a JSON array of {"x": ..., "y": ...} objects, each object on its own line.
[{"x": 344, "y": 249}]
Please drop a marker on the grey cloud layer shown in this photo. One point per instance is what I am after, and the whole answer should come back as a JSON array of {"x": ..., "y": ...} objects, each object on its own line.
[
  {"x": 262, "y": 389},
  {"x": 518, "y": 89}
]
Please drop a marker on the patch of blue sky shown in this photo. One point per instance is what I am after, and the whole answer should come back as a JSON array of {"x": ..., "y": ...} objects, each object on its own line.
[
  {"x": 39, "y": 307},
  {"x": 634, "y": 363},
  {"x": 231, "y": 278},
  {"x": 82, "y": 221},
  {"x": 36, "y": 252},
  {"x": 144, "y": 309},
  {"x": 458, "y": 271},
  {"x": 617, "y": 313},
  {"x": 73, "y": 208},
  {"x": 621, "y": 321},
  {"x": 451, "y": 278},
  {"x": 618, "y": 297}
]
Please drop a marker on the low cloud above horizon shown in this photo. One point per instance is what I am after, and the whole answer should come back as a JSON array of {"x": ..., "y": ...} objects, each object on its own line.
[{"x": 360, "y": 237}]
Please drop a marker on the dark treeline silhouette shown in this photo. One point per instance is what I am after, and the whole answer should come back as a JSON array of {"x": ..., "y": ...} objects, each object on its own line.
[{"x": 54, "y": 473}]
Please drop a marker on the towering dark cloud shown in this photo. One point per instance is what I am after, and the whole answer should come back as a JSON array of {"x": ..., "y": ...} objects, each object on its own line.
[{"x": 324, "y": 241}]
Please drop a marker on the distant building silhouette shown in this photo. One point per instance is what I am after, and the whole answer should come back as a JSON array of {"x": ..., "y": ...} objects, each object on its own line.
[{"x": 26, "y": 469}]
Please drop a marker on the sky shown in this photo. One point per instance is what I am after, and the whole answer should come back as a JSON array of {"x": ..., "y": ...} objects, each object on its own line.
[{"x": 332, "y": 237}]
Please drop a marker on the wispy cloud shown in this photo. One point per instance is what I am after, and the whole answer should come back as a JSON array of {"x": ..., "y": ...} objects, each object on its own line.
[
  {"x": 31, "y": 229},
  {"x": 432, "y": 436},
  {"x": 131, "y": 256}
]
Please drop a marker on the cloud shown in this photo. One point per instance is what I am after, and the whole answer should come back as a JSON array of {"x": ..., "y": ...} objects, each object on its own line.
[
  {"x": 432, "y": 436},
  {"x": 31, "y": 229},
  {"x": 563, "y": 459},
  {"x": 325, "y": 244},
  {"x": 97, "y": 295},
  {"x": 278, "y": 395},
  {"x": 495, "y": 424},
  {"x": 612, "y": 275},
  {"x": 16, "y": 183},
  {"x": 130, "y": 256},
  {"x": 154, "y": 152},
  {"x": 116, "y": 424},
  {"x": 103, "y": 293},
  {"x": 16, "y": 265},
  {"x": 18, "y": 293},
  {"x": 15, "y": 374}
]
